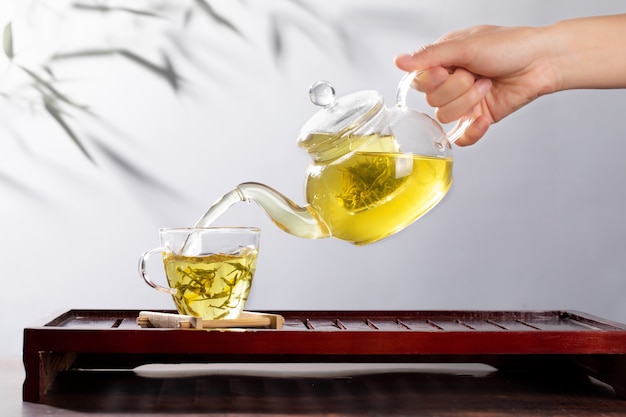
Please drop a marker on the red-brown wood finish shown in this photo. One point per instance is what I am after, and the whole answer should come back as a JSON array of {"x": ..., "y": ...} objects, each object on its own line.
[{"x": 111, "y": 339}]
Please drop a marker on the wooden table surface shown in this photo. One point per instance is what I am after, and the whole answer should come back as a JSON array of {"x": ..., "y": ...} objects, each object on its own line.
[{"x": 452, "y": 390}]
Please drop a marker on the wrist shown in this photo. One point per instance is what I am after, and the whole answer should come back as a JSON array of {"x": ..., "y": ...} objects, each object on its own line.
[
  {"x": 558, "y": 56},
  {"x": 588, "y": 52}
]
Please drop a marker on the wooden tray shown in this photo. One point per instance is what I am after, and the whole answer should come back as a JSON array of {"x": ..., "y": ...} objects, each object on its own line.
[{"x": 507, "y": 340}]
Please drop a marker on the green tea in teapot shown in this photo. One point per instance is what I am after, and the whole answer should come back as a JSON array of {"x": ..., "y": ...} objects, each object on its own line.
[
  {"x": 360, "y": 197},
  {"x": 371, "y": 195}
]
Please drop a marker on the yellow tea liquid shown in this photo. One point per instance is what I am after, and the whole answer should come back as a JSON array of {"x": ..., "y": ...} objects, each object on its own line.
[
  {"x": 372, "y": 195},
  {"x": 213, "y": 286}
]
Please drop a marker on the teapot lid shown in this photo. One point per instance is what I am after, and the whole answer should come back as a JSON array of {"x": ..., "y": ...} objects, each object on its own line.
[{"x": 337, "y": 116}]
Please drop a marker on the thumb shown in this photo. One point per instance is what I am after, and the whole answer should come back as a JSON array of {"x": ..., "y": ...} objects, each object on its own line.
[{"x": 429, "y": 56}]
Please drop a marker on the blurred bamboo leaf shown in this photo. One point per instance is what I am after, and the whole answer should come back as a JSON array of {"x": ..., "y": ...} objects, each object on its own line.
[
  {"x": 20, "y": 187},
  {"x": 7, "y": 40},
  {"x": 131, "y": 170},
  {"x": 48, "y": 71},
  {"x": 40, "y": 82},
  {"x": 107, "y": 9},
  {"x": 305, "y": 19},
  {"x": 187, "y": 17},
  {"x": 209, "y": 10},
  {"x": 167, "y": 71},
  {"x": 60, "y": 107},
  {"x": 50, "y": 105},
  {"x": 276, "y": 37}
]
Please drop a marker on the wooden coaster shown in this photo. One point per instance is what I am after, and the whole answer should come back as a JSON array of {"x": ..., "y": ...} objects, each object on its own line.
[{"x": 246, "y": 319}]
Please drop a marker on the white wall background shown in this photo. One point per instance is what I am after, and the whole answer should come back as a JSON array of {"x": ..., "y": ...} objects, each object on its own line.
[{"x": 534, "y": 220}]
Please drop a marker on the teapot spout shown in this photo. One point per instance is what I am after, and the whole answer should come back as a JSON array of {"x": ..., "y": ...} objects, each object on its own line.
[
  {"x": 288, "y": 216},
  {"x": 299, "y": 221}
]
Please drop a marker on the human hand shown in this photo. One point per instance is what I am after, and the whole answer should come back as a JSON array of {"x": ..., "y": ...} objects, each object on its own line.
[{"x": 484, "y": 72}]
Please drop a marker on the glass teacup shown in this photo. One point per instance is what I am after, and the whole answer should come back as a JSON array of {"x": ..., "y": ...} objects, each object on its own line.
[{"x": 209, "y": 270}]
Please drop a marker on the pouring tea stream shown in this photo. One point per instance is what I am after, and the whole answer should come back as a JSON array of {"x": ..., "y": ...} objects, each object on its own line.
[{"x": 374, "y": 169}]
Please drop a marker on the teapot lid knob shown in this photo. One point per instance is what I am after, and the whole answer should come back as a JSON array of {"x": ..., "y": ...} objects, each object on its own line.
[
  {"x": 337, "y": 116},
  {"x": 322, "y": 94}
]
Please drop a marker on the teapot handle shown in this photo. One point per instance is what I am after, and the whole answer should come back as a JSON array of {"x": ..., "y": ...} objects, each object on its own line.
[{"x": 403, "y": 88}]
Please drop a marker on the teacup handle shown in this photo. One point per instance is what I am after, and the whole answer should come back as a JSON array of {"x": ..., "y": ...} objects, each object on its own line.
[
  {"x": 403, "y": 88},
  {"x": 142, "y": 271}
]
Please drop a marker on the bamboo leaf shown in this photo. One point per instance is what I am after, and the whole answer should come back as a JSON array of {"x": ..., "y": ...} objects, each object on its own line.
[
  {"x": 169, "y": 69},
  {"x": 187, "y": 17},
  {"x": 21, "y": 188},
  {"x": 167, "y": 72},
  {"x": 276, "y": 39},
  {"x": 7, "y": 40},
  {"x": 129, "y": 168},
  {"x": 48, "y": 71},
  {"x": 309, "y": 26},
  {"x": 107, "y": 9},
  {"x": 52, "y": 109},
  {"x": 85, "y": 53},
  {"x": 52, "y": 90},
  {"x": 210, "y": 11}
]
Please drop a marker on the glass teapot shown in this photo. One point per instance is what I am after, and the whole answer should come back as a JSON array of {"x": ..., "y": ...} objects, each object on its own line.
[{"x": 374, "y": 169}]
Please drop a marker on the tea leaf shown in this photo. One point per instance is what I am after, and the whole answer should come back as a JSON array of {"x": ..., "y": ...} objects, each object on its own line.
[
  {"x": 369, "y": 182},
  {"x": 221, "y": 316},
  {"x": 237, "y": 266},
  {"x": 7, "y": 40}
]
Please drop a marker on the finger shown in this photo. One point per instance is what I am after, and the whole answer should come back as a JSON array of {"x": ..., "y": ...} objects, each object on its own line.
[
  {"x": 454, "y": 34},
  {"x": 430, "y": 80},
  {"x": 464, "y": 32},
  {"x": 474, "y": 132},
  {"x": 434, "y": 55},
  {"x": 457, "y": 84},
  {"x": 464, "y": 104}
]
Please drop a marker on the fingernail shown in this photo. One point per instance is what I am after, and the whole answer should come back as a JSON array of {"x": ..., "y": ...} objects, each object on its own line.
[
  {"x": 483, "y": 86},
  {"x": 403, "y": 58}
]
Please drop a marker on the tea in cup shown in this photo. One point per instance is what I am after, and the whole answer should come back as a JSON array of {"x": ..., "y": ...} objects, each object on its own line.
[{"x": 209, "y": 270}]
